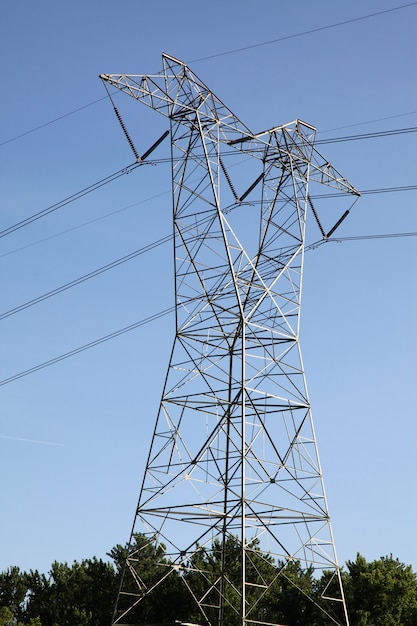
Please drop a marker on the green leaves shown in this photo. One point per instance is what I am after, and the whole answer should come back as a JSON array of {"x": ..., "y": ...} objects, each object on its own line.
[
  {"x": 82, "y": 594},
  {"x": 379, "y": 593}
]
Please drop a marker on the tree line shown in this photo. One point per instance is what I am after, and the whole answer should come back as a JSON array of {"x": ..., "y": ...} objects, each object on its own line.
[{"x": 378, "y": 593}]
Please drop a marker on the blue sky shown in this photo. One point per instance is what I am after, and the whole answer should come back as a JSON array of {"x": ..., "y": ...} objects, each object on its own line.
[{"x": 74, "y": 436}]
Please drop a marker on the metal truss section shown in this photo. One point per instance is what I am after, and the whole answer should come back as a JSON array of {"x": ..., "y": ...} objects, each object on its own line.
[{"x": 233, "y": 459}]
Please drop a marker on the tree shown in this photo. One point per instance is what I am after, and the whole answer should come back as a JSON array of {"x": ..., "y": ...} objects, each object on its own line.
[
  {"x": 81, "y": 594},
  {"x": 381, "y": 593},
  {"x": 13, "y": 590},
  {"x": 294, "y": 596},
  {"x": 163, "y": 593},
  {"x": 275, "y": 592},
  {"x": 202, "y": 576},
  {"x": 6, "y": 616}
]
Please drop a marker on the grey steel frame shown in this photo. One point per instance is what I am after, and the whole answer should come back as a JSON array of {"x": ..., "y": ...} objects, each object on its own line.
[{"x": 234, "y": 452}]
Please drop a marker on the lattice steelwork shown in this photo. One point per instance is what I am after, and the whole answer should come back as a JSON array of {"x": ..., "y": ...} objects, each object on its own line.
[{"x": 233, "y": 458}]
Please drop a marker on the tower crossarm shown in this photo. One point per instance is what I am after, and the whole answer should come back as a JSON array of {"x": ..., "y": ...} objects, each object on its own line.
[
  {"x": 178, "y": 94},
  {"x": 147, "y": 89},
  {"x": 323, "y": 172},
  {"x": 295, "y": 141}
]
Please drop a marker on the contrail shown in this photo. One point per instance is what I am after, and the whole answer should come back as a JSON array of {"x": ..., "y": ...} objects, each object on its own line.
[{"x": 44, "y": 443}]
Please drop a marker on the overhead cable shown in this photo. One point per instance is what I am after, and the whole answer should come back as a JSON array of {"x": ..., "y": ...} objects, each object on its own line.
[
  {"x": 381, "y": 133},
  {"x": 83, "y": 224},
  {"x": 86, "y": 346},
  {"x": 225, "y": 53},
  {"x": 76, "y": 196},
  {"x": 56, "y": 119},
  {"x": 378, "y": 119},
  {"x": 366, "y": 192},
  {"x": 302, "y": 34},
  {"x": 81, "y": 279},
  {"x": 79, "y": 194},
  {"x": 167, "y": 311},
  {"x": 382, "y": 236}
]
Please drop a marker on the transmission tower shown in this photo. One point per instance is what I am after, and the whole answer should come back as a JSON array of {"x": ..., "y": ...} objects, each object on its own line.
[{"x": 233, "y": 481}]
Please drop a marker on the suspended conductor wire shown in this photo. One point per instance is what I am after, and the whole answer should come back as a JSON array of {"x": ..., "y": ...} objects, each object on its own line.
[
  {"x": 101, "y": 270},
  {"x": 302, "y": 34},
  {"x": 378, "y": 119},
  {"x": 367, "y": 237},
  {"x": 83, "y": 224},
  {"x": 168, "y": 311},
  {"x": 127, "y": 170},
  {"x": 87, "y": 346},
  {"x": 248, "y": 47},
  {"x": 168, "y": 238},
  {"x": 133, "y": 166},
  {"x": 375, "y": 135},
  {"x": 56, "y": 119},
  {"x": 76, "y": 196},
  {"x": 367, "y": 192},
  {"x": 81, "y": 279}
]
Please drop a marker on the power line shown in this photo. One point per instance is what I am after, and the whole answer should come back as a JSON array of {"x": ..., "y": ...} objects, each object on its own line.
[
  {"x": 321, "y": 242},
  {"x": 126, "y": 170},
  {"x": 81, "y": 279},
  {"x": 151, "y": 246},
  {"x": 56, "y": 119},
  {"x": 234, "y": 51},
  {"x": 76, "y": 196},
  {"x": 302, "y": 34},
  {"x": 378, "y": 119},
  {"x": 366, "y": 237},
  {"x": 375, "y": 135},
  {"x": 83, "y": 224},
  {"x": 79, "y": 194},
  {"x": 367, "y": 192},
  {"x": 168, "y": 238},
  {"x": 167, "y": 311},
  {"x": 121, "y": 260},
  {"x": 87, "y": 346}
]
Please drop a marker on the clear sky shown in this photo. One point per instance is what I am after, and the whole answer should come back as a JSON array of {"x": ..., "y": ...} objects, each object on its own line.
[{"x": 74, "y": 436}]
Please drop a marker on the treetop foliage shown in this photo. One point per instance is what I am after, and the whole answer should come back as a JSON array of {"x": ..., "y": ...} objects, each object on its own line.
[{"x": 378, "y": 593}]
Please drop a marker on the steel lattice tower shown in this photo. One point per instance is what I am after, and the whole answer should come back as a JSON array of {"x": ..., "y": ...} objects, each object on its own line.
[{"x": 233, "y": 458}]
